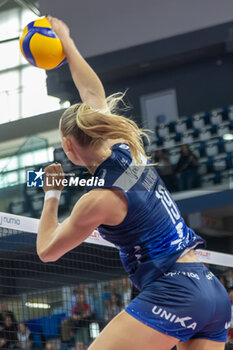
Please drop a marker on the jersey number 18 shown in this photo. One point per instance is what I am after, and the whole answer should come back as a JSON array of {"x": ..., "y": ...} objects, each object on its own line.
[{"x": 169, "y": 205}]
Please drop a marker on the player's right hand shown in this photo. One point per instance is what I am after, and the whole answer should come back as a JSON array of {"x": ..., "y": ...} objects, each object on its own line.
[
  {"x": 53, "y": 177},
  {"x": 59, "y": 27}
]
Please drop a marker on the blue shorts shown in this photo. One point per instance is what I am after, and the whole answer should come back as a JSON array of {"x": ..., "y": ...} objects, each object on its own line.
[{"x": 186, "y": 302}]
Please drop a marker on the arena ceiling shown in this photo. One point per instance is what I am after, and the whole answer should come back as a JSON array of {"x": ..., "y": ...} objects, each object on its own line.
[
  {"x": 8, "y": 4},
  {"x": 104, "y": 26}
]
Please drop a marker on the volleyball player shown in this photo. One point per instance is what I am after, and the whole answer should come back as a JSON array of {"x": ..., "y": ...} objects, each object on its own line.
[{"x": 181, "y": 302}]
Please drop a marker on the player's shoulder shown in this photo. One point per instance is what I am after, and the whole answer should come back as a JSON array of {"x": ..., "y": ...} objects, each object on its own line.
[
  {"x": 121, "y": 149},
  {"x": 117, "y": 142},
  {"x": 118, "y": 162},
  {"x": 103, "y": 203}
]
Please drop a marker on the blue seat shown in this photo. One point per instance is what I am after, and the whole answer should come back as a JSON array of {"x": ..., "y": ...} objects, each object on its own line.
[
  {"x": 172, "y": 127},
  {"x": 36, "y": 330},
  {"x": 207, "y": 118},
  {"x": 229, "y": 162},
  {"x": 217, "y": 178},
  {"x": 202, "y": 149},
  {"x": 48, "y": 326},
  {"x": 214, "y": 129},
  {"x": 210, "y": 165},
  {"x": 177, "y": 137},
  {"x": 231, "y": 125},
  {"x": 221, "y": 145},
  {"x": 159, "y": 141},
  {"x": 37, "y": 341},
  {"x": 225, "y": 114},
  {"x": 195, "y": 133},
  {"x": 189, "y": 122}
]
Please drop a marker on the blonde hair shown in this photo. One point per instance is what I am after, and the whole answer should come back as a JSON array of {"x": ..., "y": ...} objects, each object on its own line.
[{"x": 89, "y": 125}]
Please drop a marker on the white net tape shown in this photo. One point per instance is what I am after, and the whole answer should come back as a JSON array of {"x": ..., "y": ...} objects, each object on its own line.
[{"x": 26, "y": 224}]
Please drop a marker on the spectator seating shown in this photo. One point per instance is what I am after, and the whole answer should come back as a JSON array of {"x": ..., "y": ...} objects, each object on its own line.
[
  {"x": 163, "y": 131},
  {"x": 187, "y": 138},
  {"x": 172, "y": 127},
  {"x": 211, "y": 148},
  {"x": 60, "y": 157},
  {"x": 196, "y": 133},
  {"x": 17, "y": 207},
  {"x": 206, "y": 118},
  {"x": 198, "y": 122},
  {"x": 202, "y": 125},
  {"x": 229, "y": 161},
  {"x": 202, "y": 149},
  {"x": 221, "y": 145},
  {"x": 36, "y": 203},
  {"x": 189, "y": 122},
  {"x": 204, "y": 133},
  {"x": 181, "y": 127},
  {"x": 229, "y": 146},
  {"x": 174, "y": 157},
  {"x": 169, "y": 143},
  {"x": 51, "y": 325},
  {"x": 45, "y": 328},
  {"x": 215, "y": 118}
]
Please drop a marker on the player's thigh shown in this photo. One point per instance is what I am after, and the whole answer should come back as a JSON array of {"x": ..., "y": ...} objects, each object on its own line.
[
  {"x": 201, "y": 344},
  {"x": 125, "y": 332}
]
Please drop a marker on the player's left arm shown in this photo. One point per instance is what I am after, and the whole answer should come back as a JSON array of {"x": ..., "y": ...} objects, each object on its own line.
[
  {"x": 55, "y": 240},
  {"x": 92, "y": 209}
]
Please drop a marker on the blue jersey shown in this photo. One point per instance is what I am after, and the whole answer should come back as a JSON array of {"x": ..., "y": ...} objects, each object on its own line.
[{"x": 153, "y": 234}]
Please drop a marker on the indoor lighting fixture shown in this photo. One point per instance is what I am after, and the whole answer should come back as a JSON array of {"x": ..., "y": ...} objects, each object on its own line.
[
  {"x": 228, "y": 137},
  {"x": 38, "y": 305}
]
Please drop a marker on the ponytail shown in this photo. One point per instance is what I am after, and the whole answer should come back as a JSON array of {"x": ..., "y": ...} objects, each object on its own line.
[{"x": 89, "y": 125}]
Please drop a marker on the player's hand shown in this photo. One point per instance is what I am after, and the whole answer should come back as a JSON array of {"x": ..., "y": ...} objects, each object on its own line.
[
  {"x": 59, "y": 27},
  {"x": 53, "y": 177}
]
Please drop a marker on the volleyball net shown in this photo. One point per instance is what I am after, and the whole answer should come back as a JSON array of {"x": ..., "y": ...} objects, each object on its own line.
[{"x": 50, "y": 297}]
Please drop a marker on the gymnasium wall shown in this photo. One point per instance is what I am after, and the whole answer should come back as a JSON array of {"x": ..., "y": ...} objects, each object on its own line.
[{"x": 200, "y": 86}]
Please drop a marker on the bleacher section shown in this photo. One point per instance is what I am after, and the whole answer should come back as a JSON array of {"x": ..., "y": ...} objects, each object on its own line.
[{"x": 204, "y": 133}]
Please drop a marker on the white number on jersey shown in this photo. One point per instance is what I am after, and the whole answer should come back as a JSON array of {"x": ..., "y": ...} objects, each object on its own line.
[{"x": 169, "y": 205}]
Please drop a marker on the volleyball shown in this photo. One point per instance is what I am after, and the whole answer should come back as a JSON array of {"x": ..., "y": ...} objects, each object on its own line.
[{"x": 40, "y": 45}]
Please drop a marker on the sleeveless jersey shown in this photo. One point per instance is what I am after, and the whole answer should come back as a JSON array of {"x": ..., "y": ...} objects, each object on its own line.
[{"x": 153, "y": 234}]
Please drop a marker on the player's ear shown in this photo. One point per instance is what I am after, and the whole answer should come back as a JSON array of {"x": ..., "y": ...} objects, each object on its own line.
[
  {"x": 65, "y": 143},
  {"x": 68, "y": 143}
]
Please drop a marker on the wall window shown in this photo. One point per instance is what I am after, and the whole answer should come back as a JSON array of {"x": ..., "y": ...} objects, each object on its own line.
[
  {"x": 13, "y": 169},
  {"x": 23, "y": 91},
  {"x": 34, "y": 98}
]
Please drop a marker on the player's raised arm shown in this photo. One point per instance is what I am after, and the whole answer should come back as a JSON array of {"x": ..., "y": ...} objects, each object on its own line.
[{"x": 86, "y": 80}]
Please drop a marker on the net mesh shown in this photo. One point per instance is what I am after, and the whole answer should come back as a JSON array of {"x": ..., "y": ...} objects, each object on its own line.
[{"x": 67, "y": 302}]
